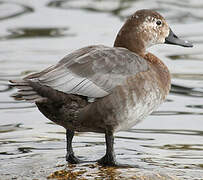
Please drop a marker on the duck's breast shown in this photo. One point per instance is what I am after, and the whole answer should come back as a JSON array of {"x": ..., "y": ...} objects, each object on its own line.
[{"x": 139, "y": 96}]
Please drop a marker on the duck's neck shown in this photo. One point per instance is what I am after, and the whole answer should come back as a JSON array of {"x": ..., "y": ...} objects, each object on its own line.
[
  {"x": 131, "y": 41},
  {"x": 161, "y": 70}
]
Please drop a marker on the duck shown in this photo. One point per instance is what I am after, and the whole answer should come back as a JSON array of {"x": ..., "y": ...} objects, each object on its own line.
[{"x": 105, "y": 89}]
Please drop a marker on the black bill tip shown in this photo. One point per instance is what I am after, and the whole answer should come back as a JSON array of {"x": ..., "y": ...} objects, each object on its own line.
[{"x": 173, "y": 39}]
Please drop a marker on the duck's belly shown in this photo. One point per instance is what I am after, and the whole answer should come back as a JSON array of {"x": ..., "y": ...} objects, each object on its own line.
[
  {"x": 139, "y": 102},
  {"x": 133, "y": 114}
]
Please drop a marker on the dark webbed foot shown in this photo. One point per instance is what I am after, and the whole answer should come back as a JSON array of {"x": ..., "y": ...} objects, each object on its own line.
[
  {"x": 70, "y": 154},
  {"x": 109, "y": 158},
  {"x": 111, "y": 161},
  {"x": 72, "y": 159}
]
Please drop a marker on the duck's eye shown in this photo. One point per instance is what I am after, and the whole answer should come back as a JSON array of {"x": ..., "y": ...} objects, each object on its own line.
[{"x": 158, "y": 22}]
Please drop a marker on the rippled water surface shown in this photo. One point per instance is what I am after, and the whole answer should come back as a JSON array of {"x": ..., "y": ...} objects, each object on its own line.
[{"x": 35, "y": 34}]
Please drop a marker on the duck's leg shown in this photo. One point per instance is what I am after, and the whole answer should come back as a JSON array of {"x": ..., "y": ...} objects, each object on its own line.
[
  {"x": 109, "y": 157},
  {"x": 70, "y": 154}
]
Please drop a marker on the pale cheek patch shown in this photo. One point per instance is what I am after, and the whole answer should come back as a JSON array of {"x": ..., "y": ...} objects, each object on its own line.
[
  {"x": 153, "y": 32},
  {"x": 151, "y": 22}
]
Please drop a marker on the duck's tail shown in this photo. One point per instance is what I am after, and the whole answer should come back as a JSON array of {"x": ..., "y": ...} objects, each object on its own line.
[{"x": 26, "y": 91}]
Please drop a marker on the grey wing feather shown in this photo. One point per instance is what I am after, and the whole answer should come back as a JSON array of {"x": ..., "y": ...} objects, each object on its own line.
[{"x": 93, "y": 71}]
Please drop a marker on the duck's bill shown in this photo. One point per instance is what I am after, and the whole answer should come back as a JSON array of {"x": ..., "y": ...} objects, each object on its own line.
[{"x": 173, "y": 39}]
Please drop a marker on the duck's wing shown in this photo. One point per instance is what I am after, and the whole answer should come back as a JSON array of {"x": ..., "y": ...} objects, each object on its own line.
[{"x": 93, "y": 71}]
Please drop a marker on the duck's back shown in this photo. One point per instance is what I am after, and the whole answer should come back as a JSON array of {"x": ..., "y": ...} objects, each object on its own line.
[{"x": 92, "y": 71}]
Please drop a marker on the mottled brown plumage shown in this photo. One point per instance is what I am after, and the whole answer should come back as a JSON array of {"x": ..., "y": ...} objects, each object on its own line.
[{"x": 105, "y": 89}]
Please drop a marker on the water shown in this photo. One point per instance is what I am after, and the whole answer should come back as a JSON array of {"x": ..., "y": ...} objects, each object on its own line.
[{"x": 35, "y": 34}]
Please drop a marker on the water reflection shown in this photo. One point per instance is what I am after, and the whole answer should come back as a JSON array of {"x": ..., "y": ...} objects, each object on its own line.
[
  {"x": 4, "y": 87},
  {"x": 186, "y": 91},
  {"x": 176, "y": 12},
  {"x": 168, "y": 131},
  {"x": 25, "y": 149},
  {"x": 11, "y": 9},
  {"x": 186, "y": 57},
  {"x": 33, "y": 32},
  {"x": 7, "y": 105},
  {"x": 12, "y": 127},
  {"x": 113, "y": 7},
  {"x": 195, "y": 106},
  {"x": 169, "y": 113},
  {"x": 185, "y": 147}
]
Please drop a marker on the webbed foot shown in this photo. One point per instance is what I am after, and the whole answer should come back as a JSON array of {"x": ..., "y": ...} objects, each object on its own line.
[
  {"x": 72, "y": 159},
  {"x": 107, "y": 160}
]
